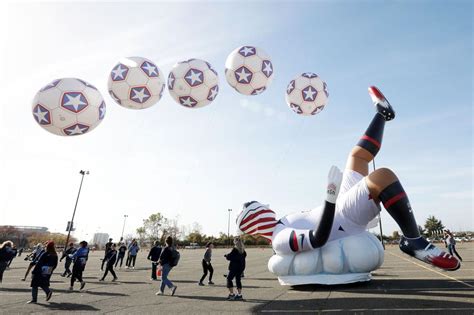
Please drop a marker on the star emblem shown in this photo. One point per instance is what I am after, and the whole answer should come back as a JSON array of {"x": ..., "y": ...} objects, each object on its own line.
[
  {"x": 317, "y": 110},
  {"x": 213, "y": 93},
  {"x": 405, "y": 243},
  {"x": 309, "y": 93},
  {"x": 150, "y": 69},
  {"x": 119, "y": 73},
  {"x": 258, "y": 91},
  {"x": 50, "y": 85},
  {"x": 102, "y": 110},
  {"x": 194, "y": 77},
  {"x": 247, "y": 51},
  {"x": 139, "y": 94},
  {"x": 243, "y": 75},
  {"x": 290, "y": 87},
  {"x": 267, "y": 68},
  {"x": 42, "y": 115},
  {"x": 75, "y": 130},
  {"x": 325, "y": 87},
  {"x": 309, "y": 75},
  {"x": 296, "y": 108},
  {"x": 171, "y": 81},
  {"x": 74, "y": 101},
  {"x": 87, "y": 84},
  {"x": 187, "y": 101}
]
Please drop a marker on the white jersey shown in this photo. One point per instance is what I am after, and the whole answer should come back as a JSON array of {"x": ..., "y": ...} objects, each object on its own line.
[{"x": 354, "y": 210}]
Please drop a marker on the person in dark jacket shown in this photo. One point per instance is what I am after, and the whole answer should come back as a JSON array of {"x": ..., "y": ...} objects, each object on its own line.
[
  {"x": 165, "y": 262},
  {"x": 236, "y": 266},
  {"x": 108, "y": 247},
  {"x": 6, "y": 255},
  {"x": 121, "y": 254},
  {"x": 69, "y": 251},
  {"x": 206, "y": 264},
  {"x": 44, "y": 267},
  {"x": 154, "y": 256},
  {"x": 110, "y": 258},
  {"x": 79, "y": 258}
]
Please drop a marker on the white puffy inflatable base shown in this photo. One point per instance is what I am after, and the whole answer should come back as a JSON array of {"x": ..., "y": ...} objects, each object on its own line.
[
  {"x": 327, "y": 279},
  {"x": 345, "y": 260}
]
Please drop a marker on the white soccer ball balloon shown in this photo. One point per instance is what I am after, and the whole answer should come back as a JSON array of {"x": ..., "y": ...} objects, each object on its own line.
[
  {"x": 136, "y": 83},
  {"x": 68, "y": 107},
  {"x": 249, "y": 70},
  {"x": 193, "y": 83},
  {"x": 307, "y": 94}
]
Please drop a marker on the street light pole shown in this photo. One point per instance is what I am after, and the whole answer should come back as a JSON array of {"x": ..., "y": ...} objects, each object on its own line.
[
  {"x": 83, "y": 173},
  {"x": 228, "y": 226},
  {"x": 123, "y": 228}
]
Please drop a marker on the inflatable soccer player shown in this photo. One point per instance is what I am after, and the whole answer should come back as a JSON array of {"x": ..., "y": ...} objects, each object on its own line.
[{"x": 352, "y": 202}]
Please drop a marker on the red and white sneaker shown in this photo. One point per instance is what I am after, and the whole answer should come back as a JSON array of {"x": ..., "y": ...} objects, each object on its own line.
[
  {"x": 381, "y": 103},
  {"x": 425, "y": 251}
]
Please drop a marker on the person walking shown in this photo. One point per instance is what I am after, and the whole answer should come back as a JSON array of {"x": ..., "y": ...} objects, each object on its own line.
[
  {"x": 206, "y": 264},
  {"x": 167, "y": 262},
  {"x": 79, "y": 258},
  {"x": 451, "y": 243},
  {"x": 133, "y": 251},
  {"x": 236, "y": 260},
  {"x": 44, "y": 266},
  {"x": 121, "y": 254},
  {"x": 110, "y": 258},
  {"x": 154, "y": 256},
  {"x": 6, "y": 254},
  {"x": 69, "y": 251},
  {"x": 108, "y": 247},
  {"x": 35, "y": 254}
]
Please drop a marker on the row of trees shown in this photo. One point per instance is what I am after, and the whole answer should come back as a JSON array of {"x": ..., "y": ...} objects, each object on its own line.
[
  {"x": 28, "y": 240},
  {"x": 157, "y": 227}
]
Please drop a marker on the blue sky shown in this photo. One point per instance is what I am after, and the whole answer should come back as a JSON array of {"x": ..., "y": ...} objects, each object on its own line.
[{"x": 196, "y": 164}]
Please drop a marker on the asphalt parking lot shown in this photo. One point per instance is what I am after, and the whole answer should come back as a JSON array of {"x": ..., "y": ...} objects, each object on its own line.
[{"x": 402, "y": 286}]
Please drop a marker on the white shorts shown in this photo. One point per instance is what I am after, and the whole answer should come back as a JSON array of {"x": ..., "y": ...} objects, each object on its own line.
[{"x": 354, "y": 201}]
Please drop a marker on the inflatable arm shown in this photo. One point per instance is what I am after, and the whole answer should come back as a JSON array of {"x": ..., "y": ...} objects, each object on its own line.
[{"x": 290, "y": 240}]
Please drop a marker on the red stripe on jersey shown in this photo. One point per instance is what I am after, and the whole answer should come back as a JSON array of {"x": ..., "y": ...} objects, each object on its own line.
[
  {"x": 261, "y": 228},
  {"x": 295, "y": 242},
  {"x": 375, "y": 142},
  {"x": 252, "y": 224},
  {"x": 394, "y": 199},
  {"x": 256, "y": 214}
]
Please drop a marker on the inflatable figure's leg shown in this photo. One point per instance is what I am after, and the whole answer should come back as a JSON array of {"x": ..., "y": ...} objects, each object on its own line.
[
  {"x": 370, "y": 143},
  {"x": 384, "y": 186}
]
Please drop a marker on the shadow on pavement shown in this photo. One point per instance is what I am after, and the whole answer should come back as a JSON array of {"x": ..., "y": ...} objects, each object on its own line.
[
  {"x": 218, "y": 298},
  {"x": 358, "y": 304},
  {"x": 409, "y": 295},
  {"x": 69, "y": 306}
]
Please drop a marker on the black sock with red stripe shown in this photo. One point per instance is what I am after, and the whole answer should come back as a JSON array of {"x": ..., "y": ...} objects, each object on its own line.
[
  {"x": 372, "y": 139},
  {"x": 396, "y": 202}
]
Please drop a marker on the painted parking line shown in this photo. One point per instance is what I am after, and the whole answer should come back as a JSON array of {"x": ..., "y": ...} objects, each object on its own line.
[{"x": 432, "y": 270}]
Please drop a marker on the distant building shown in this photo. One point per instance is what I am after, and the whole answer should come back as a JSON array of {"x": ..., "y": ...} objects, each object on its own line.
[
  {"x": 19, "y": 234},
  {"x": 100, "y": 239}
]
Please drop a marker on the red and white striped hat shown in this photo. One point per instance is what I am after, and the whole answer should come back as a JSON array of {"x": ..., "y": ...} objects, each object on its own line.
[{"x": 257, "y": 218}]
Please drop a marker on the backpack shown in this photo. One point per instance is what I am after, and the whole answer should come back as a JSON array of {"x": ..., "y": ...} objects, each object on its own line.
[{"x": 175, "y": 255}]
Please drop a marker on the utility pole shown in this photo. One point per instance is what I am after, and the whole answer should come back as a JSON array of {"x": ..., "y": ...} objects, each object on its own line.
[
  {"x": 125, "y": 216},
  {"x": 71, "y": 225},
  {"x": 228, "y": 226}
]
